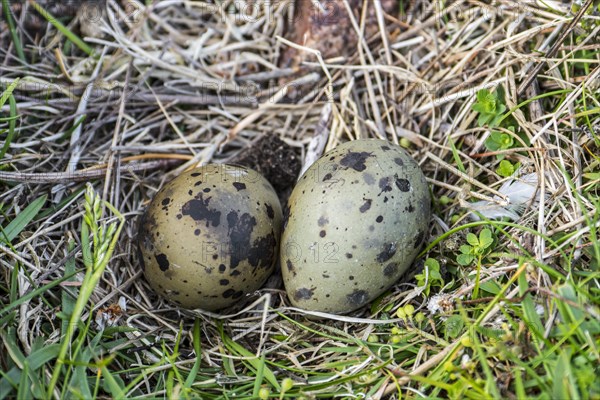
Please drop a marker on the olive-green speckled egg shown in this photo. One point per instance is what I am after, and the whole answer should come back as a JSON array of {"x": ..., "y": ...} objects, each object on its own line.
[
  {"x": 352, "y": 226},
  {"x": 210, "y": 236}
]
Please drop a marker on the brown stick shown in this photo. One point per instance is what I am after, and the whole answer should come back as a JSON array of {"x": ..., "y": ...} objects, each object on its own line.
[
  {"x": 76, "y": 176},
  {"x": 554, "y": 47}
]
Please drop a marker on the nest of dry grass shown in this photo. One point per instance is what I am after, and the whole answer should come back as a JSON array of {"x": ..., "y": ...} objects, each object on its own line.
[{"x": 180, "y": 83}]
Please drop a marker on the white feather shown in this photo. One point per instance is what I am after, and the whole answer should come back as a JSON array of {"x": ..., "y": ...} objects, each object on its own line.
[{"x": 520, "y": 192}]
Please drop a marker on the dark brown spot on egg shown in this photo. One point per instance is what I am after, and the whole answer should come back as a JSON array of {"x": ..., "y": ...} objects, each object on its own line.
[
  {"x": 163, "y": 262},
  {"x": 228, "y": 293},
  {"x": 385, "y": 184},
  {"x": 224, "y": 282},
  {"x": 197, "y": 232},
  {"x": 399, "y": 161},
  {"x": 322, "y": 221},
  {"x": 327, "y": 177},
  {"x": 166, "y": 201},
  {"x": 385, "y": 148},
  {"x": 198, "y": 183},
  {"x": 388, "y": 251},
  {"x": 419, "y": 239},
  {"x": 379, "y": 219},
  {"x": 199, "y": 211},
  {"x": 179, "y": 216},
  {"x": 286, "y": 215},
  {"x": 351, "y": 277},
  {"x": 270, "y": 212},
  {"x": 303, "y": 294},
  {"x": 355, "y": 160},
  {"x": 262, "y": 252},
  {"x": 240, "y": 230},
  {"x": 403, "y": 184},
  {"x": 390, "y": 270},
  {"x": 195, "y": 174},
  {"x": 222, "y": 268},
  {"x": 206, "y": 190},
  {"x": 290, "y": 266},
  {"x": 322, "y": 233},
  {"x": 366, "y": 205},
  {"x": 368, "y": 178},
  {"x": 348, "y": 255},
  {"x": 190, "y": 192},
  {"x": 357, "y": 298},
  {"x": 239, "y": 186},
  {"x": 235, "y": 273}
]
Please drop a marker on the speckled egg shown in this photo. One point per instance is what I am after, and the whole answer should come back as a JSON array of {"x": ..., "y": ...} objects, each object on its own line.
[
  {"x": 210, "y": 236},
  {"x": 352, "y": 226}
]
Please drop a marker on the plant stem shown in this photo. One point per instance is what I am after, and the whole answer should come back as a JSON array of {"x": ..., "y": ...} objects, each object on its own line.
[{"x": 477, "y": 277}]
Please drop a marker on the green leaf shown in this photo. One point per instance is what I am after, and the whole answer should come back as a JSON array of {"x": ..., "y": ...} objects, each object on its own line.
[
  {"x": 490, "y": 287},
  {"x": 485, "y": 238},
  {"x": 20, "y": 222},
  {"x": 432, "y": 264},
  {"x": 465, "y": 259},
  {"x": 483, "y": 119},
  {"x": 505, "y": 169},
  {"x": 454, "y": 326},
  {"x": 499, "y": 141},
  {"x": 466, "y": 249},
  {"x": 472, "y": 239}
]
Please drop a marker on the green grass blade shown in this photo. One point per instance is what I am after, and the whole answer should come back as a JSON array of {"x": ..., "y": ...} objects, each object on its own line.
[
  {"x": 254, "y": 362},
  {"x": 7, "y": 319},
  {"x": 12, "y": 123},
  {"x": 456, "y": 156},
  {"x": 68, "y": 300},
  {"x": 113, "y": 385},
  {"x": 34, "y": 361},
  {"x": 76, "y": 40},
  {"x": 562, "y": 373},
  {"x": 260, "y": 373},
  {"x": 8, "y": 92},
  {"x": 191, "y": 378},
  {"x": 32, "y": 294},
  {"x": 23, "y": 392},
  {"x": 53, "y": 208},
  {"x": 531, "y": 317},
  {"x": 20, "y": 222},
  {"x": 13, "y": 32}
]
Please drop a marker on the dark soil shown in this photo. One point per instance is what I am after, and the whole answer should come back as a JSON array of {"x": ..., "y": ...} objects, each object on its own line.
[{"x": 275, "y": 160}]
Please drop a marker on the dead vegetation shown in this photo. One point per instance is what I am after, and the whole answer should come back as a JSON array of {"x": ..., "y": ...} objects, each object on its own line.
[{"x": 172, "y": 84}]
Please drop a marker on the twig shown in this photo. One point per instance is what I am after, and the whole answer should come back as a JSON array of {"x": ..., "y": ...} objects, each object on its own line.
[
  {"x": 533, "y": 74},
  {"x": 76, "y": 176}
]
